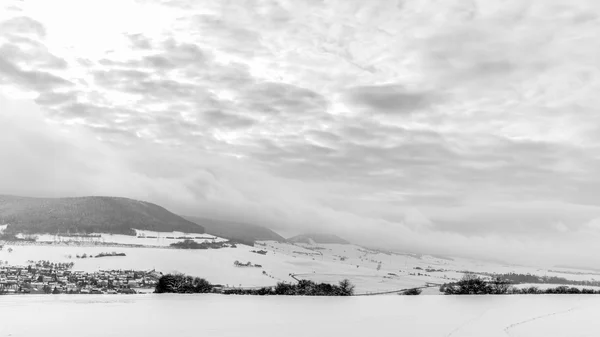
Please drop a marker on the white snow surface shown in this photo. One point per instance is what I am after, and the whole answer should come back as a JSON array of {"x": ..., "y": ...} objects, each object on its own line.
[
  {"x": 275, "y": 316},
  {"x": 143, "y": 238},
  {"x": 370, "y": 271}
]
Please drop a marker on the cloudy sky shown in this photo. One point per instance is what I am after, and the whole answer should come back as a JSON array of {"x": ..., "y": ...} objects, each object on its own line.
[{"x": 466, "y": 127}]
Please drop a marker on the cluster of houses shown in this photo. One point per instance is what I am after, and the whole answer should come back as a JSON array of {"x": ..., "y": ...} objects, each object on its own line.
[{"x": 43, "y": 277}]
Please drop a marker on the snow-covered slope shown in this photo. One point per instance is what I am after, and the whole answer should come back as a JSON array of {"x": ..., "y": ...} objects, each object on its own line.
[
  {"x": 370, "y": 270},
  {"x": 142, "y": 238}
]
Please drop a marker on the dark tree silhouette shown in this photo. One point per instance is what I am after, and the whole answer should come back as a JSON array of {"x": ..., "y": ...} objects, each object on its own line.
[
  {"x": 413, "y": 291},
  {"x": 346, "y": 288}
]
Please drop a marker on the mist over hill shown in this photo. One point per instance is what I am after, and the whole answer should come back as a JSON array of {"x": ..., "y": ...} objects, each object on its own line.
[
  {"x": 318, "y": 238},
  {"x": 242, "y": 232},
  {"x": 88, "y": 215}
]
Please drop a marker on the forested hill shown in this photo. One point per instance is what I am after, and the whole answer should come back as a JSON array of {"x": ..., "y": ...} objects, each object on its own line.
[
  {"x": 241, "y": 232},
  {"x": 88, "y": 215}
]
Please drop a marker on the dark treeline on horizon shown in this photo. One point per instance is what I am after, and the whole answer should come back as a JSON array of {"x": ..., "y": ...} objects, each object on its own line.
[
  {"x": 528, "y": 278},
  {"x": 472, "y": 284}
]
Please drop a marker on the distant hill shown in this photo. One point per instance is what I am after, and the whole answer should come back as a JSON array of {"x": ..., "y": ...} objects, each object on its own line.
[
  {"x": 87, "y": 215},
  {"x": 318, "y": 238},
  {"x": 577, "y": 267},
  {"x": 242, "y": 232}
]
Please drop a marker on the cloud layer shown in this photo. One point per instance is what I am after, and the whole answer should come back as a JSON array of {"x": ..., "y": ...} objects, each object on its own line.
[{"x": 464, "y": 127}]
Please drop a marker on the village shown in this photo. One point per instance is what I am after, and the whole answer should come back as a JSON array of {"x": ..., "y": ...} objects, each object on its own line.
[{"x": 44, "y": 277}]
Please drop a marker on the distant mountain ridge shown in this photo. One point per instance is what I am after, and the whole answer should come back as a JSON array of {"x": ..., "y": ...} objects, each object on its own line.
[
  {"x": 318, "y": 238},
  {"x": 237, "y": 231},
  {"x": 96, "y": 214}
]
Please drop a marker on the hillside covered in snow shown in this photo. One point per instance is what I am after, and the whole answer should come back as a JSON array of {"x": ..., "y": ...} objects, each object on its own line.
[{"x": 266, "y": 263}]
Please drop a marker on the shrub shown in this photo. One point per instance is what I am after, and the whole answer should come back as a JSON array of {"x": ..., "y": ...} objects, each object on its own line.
[
  {"x": 201, "y": 285},
  {"x": 413, "y": 291},
  {"x": 188, "y": 244},
  {"x": 179, "y": 283},
  {"x": 110, "y": 254},
  {"x": 265, "y": 291},
  {"x": 284, "y": 289},
  {"x": 346, "y": 288},
  {"x": 472, "y": 284},
  {"x": 531, "y": 290},
  {"x": 498, "y": 286}
]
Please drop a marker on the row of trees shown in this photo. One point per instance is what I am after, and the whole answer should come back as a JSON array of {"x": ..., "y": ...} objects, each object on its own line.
[
  {"x": 247, "y": 264},
  {"x": 48, "y": 264},
  {"x": 557, "y": 290},
  {"x": 472, "y": 284},
  {"x": 302, "y": 288},
  {"x": 110, "y": 254},
  {"x": 528, "y": 278},
  {"x": 310, "y": 288},
  {"x": 182, "y": 284},
  {"x": 191, "y": 244}
]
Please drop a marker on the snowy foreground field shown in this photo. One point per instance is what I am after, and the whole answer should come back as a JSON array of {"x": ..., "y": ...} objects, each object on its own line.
[{"x": 218, "y": 315}]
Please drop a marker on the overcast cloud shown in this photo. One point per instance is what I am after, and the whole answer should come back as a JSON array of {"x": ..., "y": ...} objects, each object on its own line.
[{"x": 454, "y": 127}]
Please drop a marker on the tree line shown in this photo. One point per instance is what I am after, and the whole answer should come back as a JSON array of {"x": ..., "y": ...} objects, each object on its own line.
[
  {"x": 191, "y": 244},
  {"x": 528, "y": 278},
  {"x": 472, "y": 284},
  {"x": 183, "y": 284}
]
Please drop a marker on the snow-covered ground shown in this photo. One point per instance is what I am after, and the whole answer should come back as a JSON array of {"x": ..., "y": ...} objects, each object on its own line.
[
  {"x": 371, "y": 271},
  {"x": 142, "y": 238},
  {"x": 216, "y": 265},
  {"x": 274, "y": 316}
]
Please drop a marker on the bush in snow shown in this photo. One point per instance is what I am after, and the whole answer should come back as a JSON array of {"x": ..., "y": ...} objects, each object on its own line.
[
  {"x": 179, "y": 283},
  {"x": 414, "y": 291}
]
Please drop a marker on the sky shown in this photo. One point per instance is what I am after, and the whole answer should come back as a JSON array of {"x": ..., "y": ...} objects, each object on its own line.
[{"x": 458, "y": 127}]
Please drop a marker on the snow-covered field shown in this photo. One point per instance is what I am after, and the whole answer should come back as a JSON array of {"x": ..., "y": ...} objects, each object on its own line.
[
  {"x": 142, "y": 238},
  {"x": 275, "y": 316},
  {"x": 217, "y": 265},
  {"x": 371, "y": 271}
]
